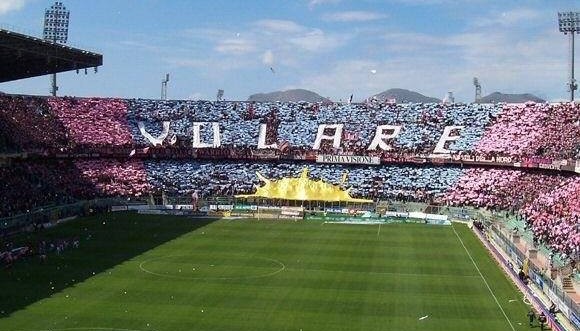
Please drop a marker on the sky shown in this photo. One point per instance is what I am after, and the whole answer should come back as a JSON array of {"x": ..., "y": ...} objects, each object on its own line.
[{"x": 333, "y": 47}]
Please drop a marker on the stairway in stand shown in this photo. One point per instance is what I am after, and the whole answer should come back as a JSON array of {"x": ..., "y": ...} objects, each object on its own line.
[{"x": 568, "y": 287}]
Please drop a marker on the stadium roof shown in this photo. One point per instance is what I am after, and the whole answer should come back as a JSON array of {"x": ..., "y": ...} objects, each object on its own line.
[{"x": 23, "y": 56}]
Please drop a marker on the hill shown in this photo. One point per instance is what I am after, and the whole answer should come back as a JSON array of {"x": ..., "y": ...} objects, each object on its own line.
[
  {"x": 496, "y": 97},
  {"x": 405, "y": 96},
  {"x": 295, "y": 95}
]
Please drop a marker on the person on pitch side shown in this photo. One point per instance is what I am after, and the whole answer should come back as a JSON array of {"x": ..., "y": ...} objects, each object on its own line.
[{"x": 531, "y": 317}]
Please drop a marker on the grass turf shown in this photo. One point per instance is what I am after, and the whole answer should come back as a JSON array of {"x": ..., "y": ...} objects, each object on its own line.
[{"x": 172, "y": 274}]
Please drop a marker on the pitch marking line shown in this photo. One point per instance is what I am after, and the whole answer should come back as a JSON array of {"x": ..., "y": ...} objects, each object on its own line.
[
  {"x": 483, "y": 278},
  {"x": 526, "y": 301},
  {"x": 379, "y": 231},
  {"x": 142, "y": 267}
]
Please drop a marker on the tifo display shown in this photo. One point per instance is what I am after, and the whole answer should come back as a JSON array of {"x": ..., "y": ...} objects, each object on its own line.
[{"x": 83, "y": 148}]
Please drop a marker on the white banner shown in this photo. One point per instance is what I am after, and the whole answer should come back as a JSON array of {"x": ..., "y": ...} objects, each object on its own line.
[{"x": 348, "y": 159}]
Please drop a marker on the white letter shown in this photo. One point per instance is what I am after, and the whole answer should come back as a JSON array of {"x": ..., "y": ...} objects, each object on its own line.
[
  {"x": 197, "y": 135},
  {"x": 445, "y": 137},
  {"x": 217, "y": 140},
  {"x": 380, "y": 137},
  {"x": 262, "y": 138},
  {"x": 335, "y": 137},
  {"x": 154, "y": 141}
]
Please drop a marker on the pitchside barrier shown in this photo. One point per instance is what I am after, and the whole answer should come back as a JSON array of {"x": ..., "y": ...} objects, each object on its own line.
[
  {"x": 538, "y": 275},
  {"x": 52, "y": 214},
  {"x": 530, "y": 297},
  {"x": 252, "y": 211},
  {"x": 365, "y": 217}
]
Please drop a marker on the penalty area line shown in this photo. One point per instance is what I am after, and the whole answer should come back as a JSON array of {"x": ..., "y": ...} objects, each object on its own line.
[{"x": 483, "y": 278}]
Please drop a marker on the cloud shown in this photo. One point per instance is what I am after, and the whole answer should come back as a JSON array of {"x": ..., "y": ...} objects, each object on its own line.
[
  {"x": 217, "y": 52},
  {"x": 509, "y": 18},
  {"x": 314, "y": 3},
  {"x": 235, "y": 46},
  {"x": 279, "y": 26},
  {"x": 502, "y": 59},
  {"x": 405, "y": 42},
  {"x": 268, "y": 58},
  {"x": 435, "y": 2},
  {"x": 353, "y": 16},
  {"x": 318, "y": 41},
  {"x": 7, "y": 6},
  {"x": 149, "y": 47},
  {"x": 287, "y": 39},
  {"x": 210, "y": 66}
]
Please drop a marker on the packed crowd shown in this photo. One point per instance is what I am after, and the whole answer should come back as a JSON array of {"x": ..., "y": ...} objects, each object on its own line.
[
  {"x": 93, "y": 122},
  {"x": 562, "y": 231},
  {"x": 31, "y": 123},
  {"x": 29, "y": 185},
  {"x": 549, "y": 201},
  {"x": 545, "y": 130},
  {"x": 115, "y": 178},
  {"x": 297, "y": 123},
  {"x": 210, "y": 179},
  {"x": 27, "y": 124}
]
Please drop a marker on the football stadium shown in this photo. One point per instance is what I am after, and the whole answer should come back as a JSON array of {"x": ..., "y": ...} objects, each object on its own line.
[{"x": 153, "y": 214}]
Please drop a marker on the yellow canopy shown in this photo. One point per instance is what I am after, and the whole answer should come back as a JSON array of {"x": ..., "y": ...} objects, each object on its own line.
[{"x": 301, "y": 188}]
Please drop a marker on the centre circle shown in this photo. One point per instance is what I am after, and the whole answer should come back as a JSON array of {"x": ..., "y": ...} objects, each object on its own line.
[{"x": 212, "y": 267}]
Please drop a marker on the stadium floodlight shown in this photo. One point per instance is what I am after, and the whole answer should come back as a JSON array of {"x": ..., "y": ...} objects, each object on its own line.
[
  {"x": 56, "y": 21},
  {"x": 569, "y": 23},
  {"x": 164, "y": 87}
]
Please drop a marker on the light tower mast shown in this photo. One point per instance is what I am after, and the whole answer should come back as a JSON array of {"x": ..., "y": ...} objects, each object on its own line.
[{"x": 477, "y": 89}]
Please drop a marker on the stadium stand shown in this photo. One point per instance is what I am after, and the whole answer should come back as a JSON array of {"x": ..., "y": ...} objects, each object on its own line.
[
  {"x": 534, "y": 129},
  {"x": 101, "y": 145}
]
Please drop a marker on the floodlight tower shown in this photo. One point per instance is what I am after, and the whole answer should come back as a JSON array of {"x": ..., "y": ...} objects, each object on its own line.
[
  {"x": 164, "y": 87},
  {"x": 477, "y": 89},
  {"x": 569, "y": 23},
  {"x": 56, "y": 20}
]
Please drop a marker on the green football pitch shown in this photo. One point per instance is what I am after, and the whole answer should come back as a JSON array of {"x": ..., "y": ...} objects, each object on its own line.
[{"x": 135, "y": 272}]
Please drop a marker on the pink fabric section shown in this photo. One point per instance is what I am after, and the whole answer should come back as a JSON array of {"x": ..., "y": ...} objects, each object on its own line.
[
  {"x": 116, "y": 178},
  {"x": 477, "y": 187},
  {"x": 555, "y": 216},
  {"x": 28, "y": 122},
  {"x": 533, "y": 130},
  {"x": 94, "y": 121},
  {"x": 549, "y": 203},
  {"x": 500, "y": 188}
]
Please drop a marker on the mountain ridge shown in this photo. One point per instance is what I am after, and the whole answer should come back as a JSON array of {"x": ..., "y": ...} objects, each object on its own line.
[
  {"x": 404, "y": 96},
  {"x": 292, "y": 95},
  {"x": 496, "y": 97}
]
